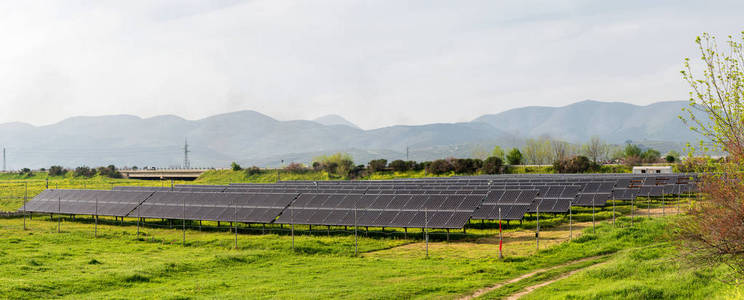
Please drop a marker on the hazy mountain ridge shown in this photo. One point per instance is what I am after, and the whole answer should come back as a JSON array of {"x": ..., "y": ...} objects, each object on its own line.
[
  {"x": 335, "y": 120},
  {"x": 615, "y": 122},
  {"x": 250, "y": 137}
]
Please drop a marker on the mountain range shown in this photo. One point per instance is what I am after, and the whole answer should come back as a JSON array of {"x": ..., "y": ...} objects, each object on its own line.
[{"x": 252, "y": 138}]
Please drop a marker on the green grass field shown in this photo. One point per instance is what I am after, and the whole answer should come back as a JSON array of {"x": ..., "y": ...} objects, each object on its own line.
[
  {"x": 41, "y": 263},
  {"x": 631, "y": 262}
]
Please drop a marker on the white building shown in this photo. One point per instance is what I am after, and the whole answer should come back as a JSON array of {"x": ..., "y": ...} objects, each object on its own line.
[{"x": 652, "y": 170}]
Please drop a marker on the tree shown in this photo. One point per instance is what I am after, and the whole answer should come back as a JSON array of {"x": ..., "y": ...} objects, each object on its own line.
[
  {"x": 235, "y": 166},
  {"x": 514, "y": 157},
  {"x": 296, "y": 168},
  {"x": 26, "y": 171},
  {"x": 57, "y": 171},
  {"x": 253, "y": 170},
  {"x": 492, "y": 165},
  {"x": 84, "y": 171},
  {"x": 338, "y": 163},
  {"x": 109, "y": 171},
  {"x": 561, "y": 149},
  {"x": 399, "y": 165},
  {"x": 714, "y": 232},
  {"x": 377, "y": 165},
  {"x": 576, "y": 164},
  {"x": 497, "y": 152},
  {"x": 538, "y": 151},
  {"x": 672, "y": 156},
  {"x": 439, "y": 167},
  {"x": 466, "y": 165},
  {"x": 595, "y": 149},
  {"x": 632, "y": 151},
  {"x": 650, "y": 155}
]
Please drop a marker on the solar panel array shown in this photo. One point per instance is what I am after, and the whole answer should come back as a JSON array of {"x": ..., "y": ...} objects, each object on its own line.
[
  {"x": 506, "y": 204},
  {"x": 415, "y": 203},
  {"x": 238, "y": 207},
  {"x": 87, "y": 202}
]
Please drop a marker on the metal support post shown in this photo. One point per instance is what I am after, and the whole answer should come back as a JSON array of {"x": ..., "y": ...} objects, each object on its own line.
[
  {"x": 537, "y": 233},
  {"x": 501, "y": 237},
  {"x": 426, "y": 224}
]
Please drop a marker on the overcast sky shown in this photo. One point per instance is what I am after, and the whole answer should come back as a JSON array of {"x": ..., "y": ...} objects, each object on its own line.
[{"x": 377, "y": 63}]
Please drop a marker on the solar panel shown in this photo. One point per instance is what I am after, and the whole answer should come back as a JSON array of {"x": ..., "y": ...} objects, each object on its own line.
[
  {"x": 86, "y": 202},
  {"x": 250, "y": 208}
]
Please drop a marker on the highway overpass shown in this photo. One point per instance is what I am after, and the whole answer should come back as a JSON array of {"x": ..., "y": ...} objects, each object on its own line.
[{"x": 158, "y": 174}]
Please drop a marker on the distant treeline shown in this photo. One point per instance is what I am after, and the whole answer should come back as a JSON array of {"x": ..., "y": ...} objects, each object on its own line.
[
  {"x": 83, "y": 171},
  {"x": 498, "y": 162}
]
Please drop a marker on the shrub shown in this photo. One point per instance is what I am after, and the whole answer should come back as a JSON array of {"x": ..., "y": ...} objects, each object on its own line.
[
  {"x": 514, "y": 157},
  {"x": 576, "y": 164},
  {"x": 296, "y": 168},
  {"x": 253, "y": 170},
  {"x": 466, "y": 165},
  {"x": 84, "y": 171},
  {"x": 399, "y": 165},
  {"x": 632, "y": 151},
  {"x": 26, "y": 171},
  {"x": 109, "y": 171},
  {"x": 650, "y": 156},
  {"x": 339, "y": 164},
  {"x": 492, "y": 165},
  {"x": 357, "y": 172},
  {"x": 439, "y": 167},
  {"x": 57, "y": 171},
  {"x": 691, "y": 165},
  {"x": 235, "y": 166},
  {"x": 377, "y": 165}
]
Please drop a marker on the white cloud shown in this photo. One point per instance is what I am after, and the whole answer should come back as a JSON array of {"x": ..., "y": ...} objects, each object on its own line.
[{"x": 376, "y": 63}]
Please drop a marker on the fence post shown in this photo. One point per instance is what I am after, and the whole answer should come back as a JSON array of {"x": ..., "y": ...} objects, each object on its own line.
[
  {"x": 501, "y": 237},
  {"x": 139, "y": 218},
  {"x": 570, "y": 222},
  {"x": 594, "y": 228},
  {"x": 59, "y": 212},
  {"x": 632, "y": 210},
  {"x": 235, "y": 222},
  {"x": 678, "y": 196},
  {"x": 291, "y": 222},
  {"x": 537, "y": 233},
  {"x": 356, "y": 238},
  {"x": 649, "y": 203},
  {"x": 183, "y": 221},
  {"x": 95, "y": 228},
  {"x": 613, "y": 209},
  {"x": 426, "y": 225},
  {"x": 25, "y": 198}
]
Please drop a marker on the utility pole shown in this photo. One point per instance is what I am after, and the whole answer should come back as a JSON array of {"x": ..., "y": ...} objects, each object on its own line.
[
  {"x": 406, "y": 153},
  {"x": 186, "y": 163},
  {"x": 4, "y": 165}
]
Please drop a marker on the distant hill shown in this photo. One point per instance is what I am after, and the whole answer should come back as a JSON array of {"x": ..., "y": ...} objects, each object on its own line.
[
  {"x": 247, "y": 137},
  {"x": 335, "y": 120},
  {"x": 250, "y": 137},
  {"x": 615, "y": 122}
]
